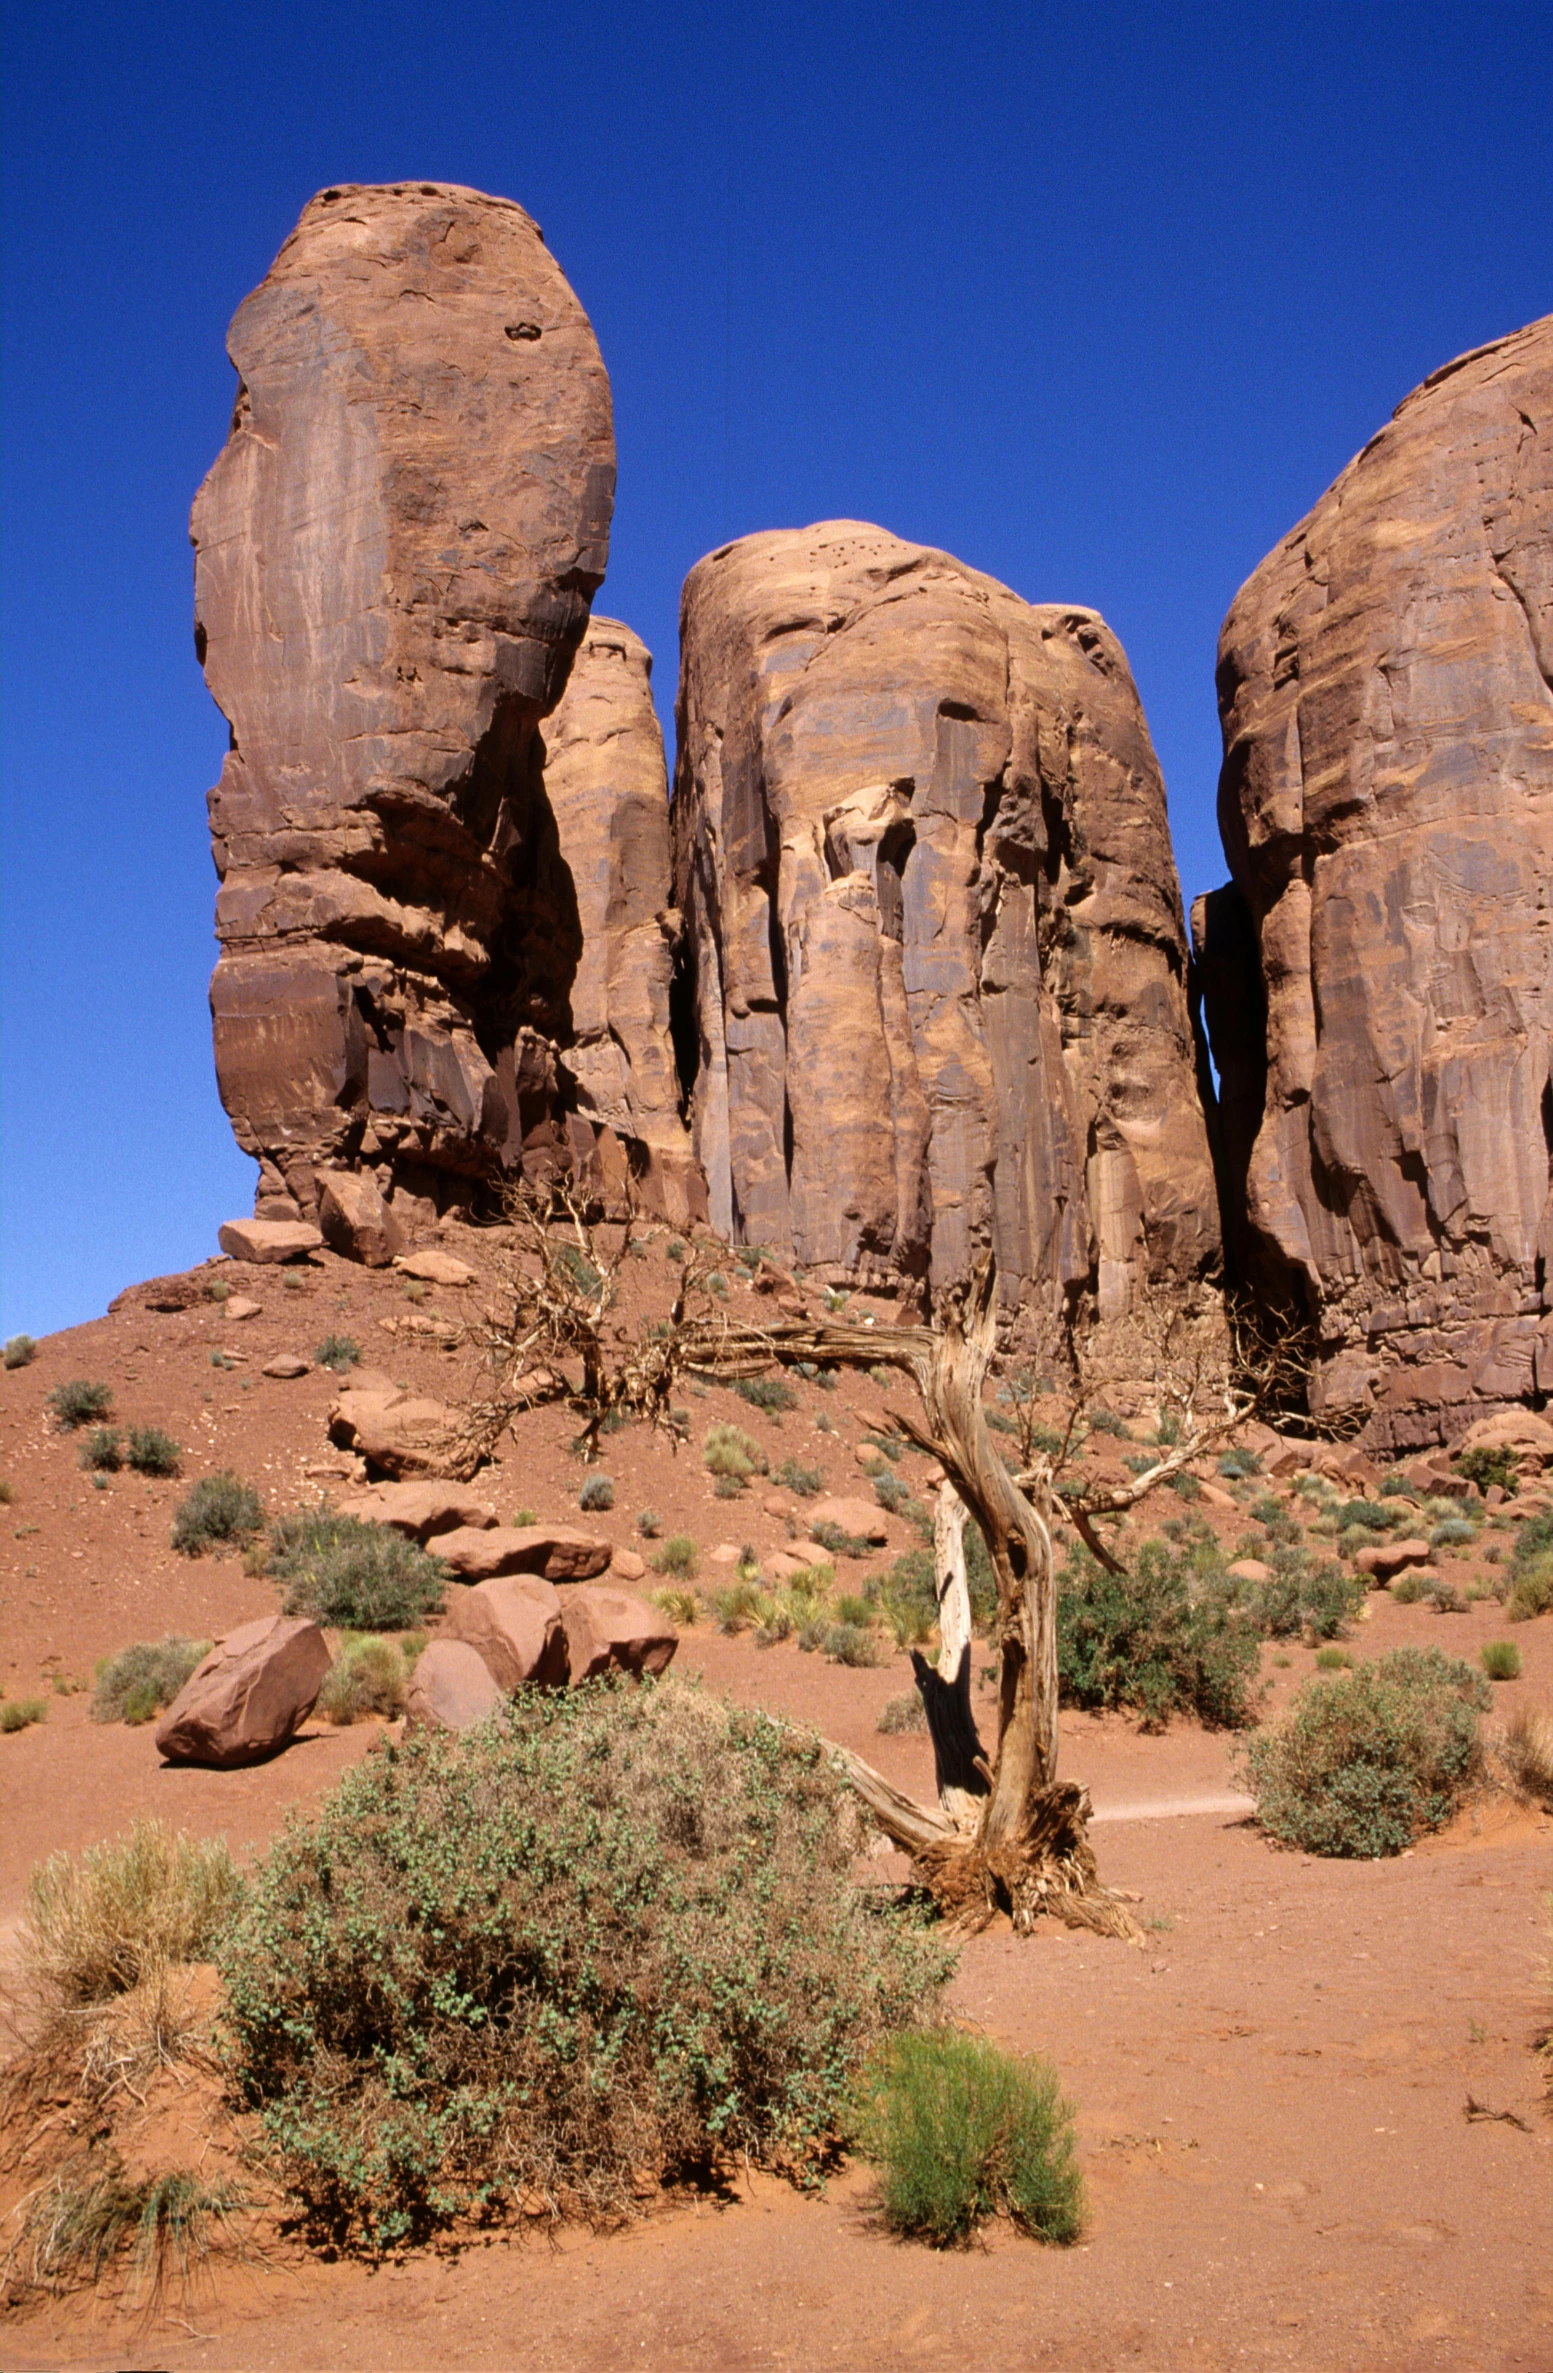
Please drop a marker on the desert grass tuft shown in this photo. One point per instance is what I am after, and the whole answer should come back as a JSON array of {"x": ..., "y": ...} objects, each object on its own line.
[
  {"x": 136, "y": 1684},
  {"x": 962, "y": 2132},
  {"x": 100, "y": 1923}
]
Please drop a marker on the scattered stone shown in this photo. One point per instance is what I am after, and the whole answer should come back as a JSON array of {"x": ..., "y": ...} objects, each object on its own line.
[
  {"x": 609, "y": 1631},
  {"x": 356, "y": 1221},
  {"x": 514, "y": 1623},
  {"x": 435, "y": 1268},
  {"x": 452, "y": 1688},
  {"x": 1250, "y": 1569},
  {"x": 628, "y": 1565},
  {"x": 809, "y": 1553},
  {"x": 249, "y": 1697},
  {"x": 268, "y": 1240},
  {"x": 725, "y": 1554},
  {"x": 421, "y": 1510},
  {"x": 394, "y": 1431},
  {"x": 861, "y": 1518},
  {"x": 560, "y": 1552},
  {"x": 1384, "y": 1560},
  {"x": 867, "y": 1456},
  {"x": 239, "y": 1307},
  {"x": 778, "y": 1504},
  {"x": 1217, "y": 1497},
  {"x": 287, "y": 1364}
]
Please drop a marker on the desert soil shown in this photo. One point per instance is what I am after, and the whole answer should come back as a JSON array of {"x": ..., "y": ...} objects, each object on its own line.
[{"x": 1272, "y": 2094}]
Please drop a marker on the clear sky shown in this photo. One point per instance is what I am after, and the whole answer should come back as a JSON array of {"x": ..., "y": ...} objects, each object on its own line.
[{"x": 1098, "y": 298}]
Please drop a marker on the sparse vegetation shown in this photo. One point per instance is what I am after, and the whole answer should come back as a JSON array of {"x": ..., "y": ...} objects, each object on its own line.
[
  {"x": 20, "y": 1713},
  {"x": 682, "y": 1607},
  {"x": 80, "y": 1403},
  {"x": 221, "y": 1512},
  {"x": 20, "y": 1351},
  {"x": 80, "y": 2227},
  {"x": 402, "y": 2078},
  {"x": 962, "y": 2132},
  {"x": 649, "y": 1524},
  {"x": 732, "y": 1456},
  {"x": 136, "y": 1684},
  {"x": 1527, "y": 1749},
  {"x": 1368, "y": 1761},
  {"x": 902, "y": 1714},
  {"x": 1455, "y": 1532},
  {"x": 1501, "y": 1660},
  {"x": 369, "y": 1676},
  {"x": 767, "y": 1393},
  {"x": 839, "y": 1541},
  {"x": 103, "y": 1450},
  {"x": 1485, "y": 1468},
  {"x": 1333, "y": 1660},
  {"x": 150, "y": 1451},
  {"x": 597, "y": 1495},
  {"x": 359, "y": 1577},
  {"x": 677, "y": 1557},
  {"x": 804, "y": 1482},
  {"x": 852, "y": 1644},
  {"x": 338, "y": 1352}
]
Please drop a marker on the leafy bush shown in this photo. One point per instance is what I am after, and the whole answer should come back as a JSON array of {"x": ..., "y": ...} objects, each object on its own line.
[
  {"x": 902, "y": 1713},
  {"x": 838, "y": 1541},
  {"x": 1155, "y": 1640},
  {"x": 20, "y": 1713},
  {"x": 1106, "y": 1421},
  {"x": 737, "y": 1605},
  {"x": 369, "y": 1676},
  {"x": 649, "y": 1524},
  {"x": 768, "y": 1393},
  {"x": 136, "y": 1684},
  {"x": 892, "y": 1493},
  {"x": 1333, "y": 1660},
  {"x": 360, "y": 1577},
  {"x": 103, "y": 1450},
  {"x": 338, "y": 1352},
  {"x": 151, "y": 1452},
  {"x": 804, "y": 1482},
  {"x": 99, "y": 1924},
  {"x": 1277, "y": 1521},
  {"x": 1374, "y": 1515},
  {"x": 20, "y": 1351},
  {"x": 620, "y": 1934},
  {"x": 1365, "y": 1763},
  {"x": 677, "y": 1557},
  {"x": 1396, "y": 1486},
  {"x": 1501, "y": 1660},
  {"x": 220, "y": 1512},
  {"x": 730, "y": 1454},
  {"x": 853, "y": 1607},
  {"x": 1485, "y": 1468},
  {"x": 1406, "y": 1589},
  {"x": 962, "y": 2132},
  {"x": 597, "y": 1494},
  {"x": 1300, "y": 1598},
  {"x": 79, "y": 1403},
  {"x": 852, "y": 1644},
  {"x": 1528, "y": 1750},
  {"x": 1454, "y": 1533}
]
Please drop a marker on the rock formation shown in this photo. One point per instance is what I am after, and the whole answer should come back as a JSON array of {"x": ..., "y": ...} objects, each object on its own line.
[
  {"x": 1377, "y": 978},
  {"x": 934, "y": 942},
  {"x": 395, "y": 556}
]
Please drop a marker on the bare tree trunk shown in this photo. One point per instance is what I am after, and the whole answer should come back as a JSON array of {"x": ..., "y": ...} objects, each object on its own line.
[{"x": 959, "y": 1758}]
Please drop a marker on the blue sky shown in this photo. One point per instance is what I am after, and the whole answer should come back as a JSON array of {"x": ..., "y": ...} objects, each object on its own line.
[{"x": 1098, "y": 299}]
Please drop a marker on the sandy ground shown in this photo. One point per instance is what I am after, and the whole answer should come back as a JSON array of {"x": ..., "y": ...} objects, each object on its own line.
[{"x": 1272, "y": 2094}]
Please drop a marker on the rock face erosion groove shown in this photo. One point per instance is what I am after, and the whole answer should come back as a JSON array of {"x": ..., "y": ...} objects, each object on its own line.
[
  {"x": 396, "y": 553},
  {"x": 934, "y": 959},
  {"x": 1376, "y": 979}
]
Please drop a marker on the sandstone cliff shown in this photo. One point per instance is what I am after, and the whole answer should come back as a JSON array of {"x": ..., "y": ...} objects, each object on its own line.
[
  {"x": 934, "y": 941},
  {"x": 1386, "y": 694},
  {"x": 395, "y": 556}
]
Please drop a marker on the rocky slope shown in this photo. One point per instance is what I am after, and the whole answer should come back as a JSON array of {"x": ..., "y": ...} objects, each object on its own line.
[
  {"x": 1377, "y": 977},
  {"x": 934, "y": 941}
]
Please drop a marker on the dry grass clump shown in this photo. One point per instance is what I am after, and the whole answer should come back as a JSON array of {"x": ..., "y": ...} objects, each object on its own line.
[
  {"x": 1527, "y": 1750},
  {"x": 369, "y": 1676},
  {"x": 136, "y": 1684},
  {"x": 95, "y": 2225},
  {"x": 97, "y": 1925}
]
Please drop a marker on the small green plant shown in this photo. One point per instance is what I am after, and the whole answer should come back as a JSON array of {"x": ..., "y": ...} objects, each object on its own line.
[
  {"x": 103, "y": 1450},
  {"x": 902, "y": 1714},
  {"x": 836, "y": 1300},
  {"x": 839, "y": 1541},
  {"x": 414, "y": 1288},
  {"x": 1106, "y": 1421},
  {"x": 79, "y": 1403},
  {"x": 597, "y": 1495},
  {"x": 1485, "y": 1468},
  {"x": 716, "y": 1283},
  {"x": 359, "y": 1577},
  {"x": 1374, "y": 1515},
  {"x": 649, "y": 1524},
  {"x": 893, "y": 1494},
  {"x": 1366, "y": 1762},
  {"x": 853, "y": 1607},
  {"x": 803, "y": 1482},
  {"x": 369, "y": 1676},
  {"x": 677, "y": 1557},
  {"x": 1333, "y": 1660},
  {"x": 338, "y": 1352},
  {"x": 767, "y": 1393},
  {"x": 730, "y": 1454},
  {"x": 150, "y": 1451},
  {"x": 220, "y": 1512},
  {"x": 852, "y": 1644},
  {"x": 7, "y": 1492},
  {"x": 20, "y": 1352},
  {"x": 675, "y": 1249},
  {"x": 682, "y": 1607},
  {"x": 20, "y": 1713},
  {"x": 961, "y": 2132},
  {"x": 1501, "y": 1660},
  {"x": 1396, "y": 1486},
  {"x": 136, "y": 1684},
  {"x": 524, "y": 1518},
  {"x": 1406, "y": 1589},
  {"x": 221, "y": 1359},
  {"x": 1531, "y": 1588},
  {"x": 217, "y": 1290},
  {"x": 737, "y": 1605}
]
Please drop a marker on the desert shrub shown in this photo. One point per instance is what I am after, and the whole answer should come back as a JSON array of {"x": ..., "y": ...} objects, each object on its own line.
[
  {"x": 1455, "y": 1532},
  {"x": 1531, "y": 1587},
  {"x": 102, "y": 1452},
  {"x": 1374, "y": 1515},
  {"x": 79, "y": 1403},
  {"x": 136, "y": 1684},
  {"x": 1301, "y": 1597},
  {"x": 961, "y": 2131},
  {"x": 1485, "y": 1468},
  {"x": 20, "y": 1713},
  {"x": 902, "y": 1713},
  {"x": 716, "y": 1283},
  {"x": 682, "y": 1607},
  {"x": 1406, "y": 1589},
  {"x": 1235, "y": 1465},
  {"x": 737, "y": 1605},
  {"x": 1396, "y": 1486},
  {"x": 99, "y": 1923},
  {"x": 369, "y": 1676},
  {"x": 1333, "y": 1660},
  {"x": 1106, "y": 1421},
  {"x": 1528, "y": 1750},
  {"x": 150, "y": 1451},
  {"x": 338, "y": 1352},
  {"x": 768, "y": 1393},
  {"x": 852, "y": 1644},
  {"x": 1155, "y": 1640},
  {"x": 1277, "y": 1521},
  {"x": 1365, "y": 1763},
  {"x": 220, "y": 1512},
  {"x": 359, "y": 1577},
  {"x": 839, "y": 1541},
  {"x": 729, "y": 1487},
  {"x": 892, "y": 1493},
  {"x": 730, "y": 1453},
  {"x": 853, "y": 1607},
  {"x": 677, "y": 1557},
  {"x": 20, "y": 1351},
  {"x": 597, "y": 1494},
  {"x": 618, "y": 1934},
  {"x": 649, "y": 1524},
  {"x": 804, "y": 1482},
  {"x": 92, "y": 2223},
  {"x": 1185, "y": 1485},
  {"x": 1501, "y": 1660}
]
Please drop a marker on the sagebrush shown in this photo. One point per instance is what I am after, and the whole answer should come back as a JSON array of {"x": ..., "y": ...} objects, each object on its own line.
[
  {"x": 136, "y": 1684},
  {"x": 359, "y": 1576}
]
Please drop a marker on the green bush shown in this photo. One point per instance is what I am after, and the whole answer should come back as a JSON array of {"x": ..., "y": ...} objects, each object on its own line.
[
  {"x": 618, "y": 1934},
  {"x": 220, "y": 1512},
  {"x": 767, "y": 1393},
  {"x": 804, "y": 1482},
  {"x": 1300, "y": 1598},
  {"x": 1501, "y": 1660},
  {"x": 852, "y": 1644},
  {"x": 1235, "y": 1465},
  {"x": 20, "y": 1351},
  {"x": 892, "y": 1494},
  {"x": 102, "y": 1452},
  {"x": 731, "y": 1454},
  {"x": 151, "y": 1452},
  {"x": 961, "y": 2132},
  {"x": 1456, "y": 1532},
  {"x": 1333, "y": 1660},
  {"x": 677, "y": 1557},
  {"x": 1157, "y": 1640},
  {"x": 596, "y": 1495},
  {"x": 1368, "y": 1761},
  {"x": 359, "y": 1577},
  {"x": 1485, "y": 1468},
  {"x": 649, "y": 1524},
  {"x": 1531, "y": 1587},
  {"x": 136, "y": 1684},
  {"x": 338, "y": 1352},
  {"x": 369, "y": 1676},
  {"x": 79, "y": 1403},
  {"x": 1374, "y": 1515}
]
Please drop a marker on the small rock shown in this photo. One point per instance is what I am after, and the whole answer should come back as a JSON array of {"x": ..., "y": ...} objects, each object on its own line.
[
  {"x": 1250, "y": 1569},
  {"x": 435, "y": 1268},
  {"x": 1384, "y": 1560},
  {"x": 238, "y": 1306},
  {"x": 1217, "y": 1498},
  {"x": 609, "y": 1631},
  {"x": 867, "y": 1456},
  {"x": 356, "y": 1221},
  {"x": 394, "y": 1432},
  {"x": 422, "y": 1510},
  {"x": 287, "y": 1364},
  {"x": 778, "y": 1505},
  {"x": 514, "y": 1624},
  {"x": 249, "y": 1697},
  {"x": 268, "y": 1239},
  {"x": 628, "y": 1565},
  {"x": 808, "y": 1553},
  {"x": 858, "y": 1517},
  {"x": 453, "y": 1688},
  {"x": 725, "y": 1554},
  {"x": 560, "y": 1552}
]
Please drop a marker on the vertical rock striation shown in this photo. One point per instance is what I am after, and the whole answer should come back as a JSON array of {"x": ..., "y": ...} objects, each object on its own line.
[
  {"x": 395, "y": 556},
  {"x": 1386, "y": 803},
  {"x": 934, "y": 943}
]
